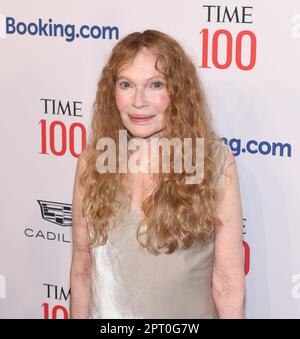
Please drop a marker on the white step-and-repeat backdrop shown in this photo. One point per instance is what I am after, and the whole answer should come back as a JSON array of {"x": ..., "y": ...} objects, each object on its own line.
[{"x": 51, "y": 55}]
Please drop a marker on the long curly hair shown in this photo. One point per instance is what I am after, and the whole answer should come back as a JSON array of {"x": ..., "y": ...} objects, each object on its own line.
[{"x": 177, "y": 213}]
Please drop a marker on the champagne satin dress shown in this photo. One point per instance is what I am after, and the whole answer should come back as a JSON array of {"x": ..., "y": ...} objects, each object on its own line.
[{"x": 130, "y": 282}]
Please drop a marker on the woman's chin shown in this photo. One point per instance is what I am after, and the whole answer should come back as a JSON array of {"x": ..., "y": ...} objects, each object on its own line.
[{"x": 144, "y": 133}]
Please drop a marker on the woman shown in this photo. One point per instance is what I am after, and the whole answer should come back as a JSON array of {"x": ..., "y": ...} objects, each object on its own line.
[{"x": 149, "y": 245}]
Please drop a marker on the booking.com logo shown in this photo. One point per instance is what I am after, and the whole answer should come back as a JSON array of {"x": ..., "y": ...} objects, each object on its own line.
[
  {"x": 40, "y": 27},
  {"x": 276, "y": 149}
]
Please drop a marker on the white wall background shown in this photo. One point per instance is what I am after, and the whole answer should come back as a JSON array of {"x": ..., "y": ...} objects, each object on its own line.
[{"x": 261, "y": 104}]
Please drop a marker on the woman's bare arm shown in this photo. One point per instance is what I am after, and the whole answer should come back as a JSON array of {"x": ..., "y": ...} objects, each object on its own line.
[
  {"x": 228, "y": 274},
  {"x": 80, "y": 273}
]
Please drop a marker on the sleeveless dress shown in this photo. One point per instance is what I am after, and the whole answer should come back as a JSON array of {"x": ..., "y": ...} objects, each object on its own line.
[{"x": 129, "y": 282}]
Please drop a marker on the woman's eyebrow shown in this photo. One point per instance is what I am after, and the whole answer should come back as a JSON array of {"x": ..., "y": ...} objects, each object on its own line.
[{"x": 148, "y": 79}]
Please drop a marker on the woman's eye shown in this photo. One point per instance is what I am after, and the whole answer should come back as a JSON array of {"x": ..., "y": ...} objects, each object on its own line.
[
  {"x": 124, "y": 84},
  {"x": 156, "y": 84}
]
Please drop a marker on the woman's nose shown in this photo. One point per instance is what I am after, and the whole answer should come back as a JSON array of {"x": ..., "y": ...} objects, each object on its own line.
[{"x": 139, "y": 99}]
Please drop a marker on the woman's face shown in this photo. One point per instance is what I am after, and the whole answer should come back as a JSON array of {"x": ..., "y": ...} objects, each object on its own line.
[{"x": 141, "y": 96}]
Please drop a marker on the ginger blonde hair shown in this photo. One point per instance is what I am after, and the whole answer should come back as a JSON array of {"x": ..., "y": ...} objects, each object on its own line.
[{"x": 176, "y": 212}]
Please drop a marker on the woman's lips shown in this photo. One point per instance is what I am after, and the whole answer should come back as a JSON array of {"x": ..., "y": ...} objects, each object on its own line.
[{"x": 140, "y": 118}]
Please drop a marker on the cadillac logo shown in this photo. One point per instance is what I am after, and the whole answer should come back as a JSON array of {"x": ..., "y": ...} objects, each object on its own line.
[{"x": 58, "y": 213}]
